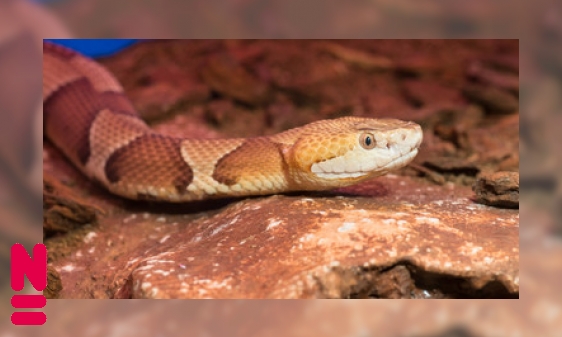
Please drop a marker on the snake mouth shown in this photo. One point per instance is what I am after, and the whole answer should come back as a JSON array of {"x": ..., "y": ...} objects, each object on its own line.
[{"x": 376, "y": 171}]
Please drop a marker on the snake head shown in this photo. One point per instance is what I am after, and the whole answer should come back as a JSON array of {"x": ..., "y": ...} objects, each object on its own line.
[{"x": 345, "y": 151}]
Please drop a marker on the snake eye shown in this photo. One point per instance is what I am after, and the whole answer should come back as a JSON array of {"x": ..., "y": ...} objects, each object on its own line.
[{"x": 367, "y": 141}]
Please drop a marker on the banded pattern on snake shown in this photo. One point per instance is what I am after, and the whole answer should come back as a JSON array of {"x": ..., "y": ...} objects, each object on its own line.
[{"x": 88, "y": 117}]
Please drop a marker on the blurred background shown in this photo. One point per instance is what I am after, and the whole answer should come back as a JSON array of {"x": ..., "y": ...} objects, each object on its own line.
[{"x": 538, "y": 25}]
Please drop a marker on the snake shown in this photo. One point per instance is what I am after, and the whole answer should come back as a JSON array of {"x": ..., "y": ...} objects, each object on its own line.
[{"x": 88, "y": 117}]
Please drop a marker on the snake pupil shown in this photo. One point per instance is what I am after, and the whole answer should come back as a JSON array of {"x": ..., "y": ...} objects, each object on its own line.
[{"x": 367, "y": 141}]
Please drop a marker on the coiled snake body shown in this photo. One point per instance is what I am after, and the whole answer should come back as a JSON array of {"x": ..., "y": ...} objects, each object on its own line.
[{"x": 88, "y": 117}]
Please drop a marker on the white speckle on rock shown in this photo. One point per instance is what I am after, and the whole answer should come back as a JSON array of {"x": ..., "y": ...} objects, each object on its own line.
[
  {"x": 162, "y": 272},
  {"x": 273, "y": 223},
  {"x": 428, "y": 220},
  {"x": 68, "y": 268},
  {"x": 458, "y": 202},
  {"x": 145, "y": 268},
  {"x": 307, "y": 237},
  {"x": 161, "y": 219},
  {"x": 129, "y": 218},
  {"x": 389, "y": 221},
  {"x": 397, "y": 214},
  {"x": 225, "y": 225},
  {"x": 475, "y": 250},
  {"x": 166, "y": 237},
  {"x": 92, "y": 250},
  {"x": 346, "y": 227},
  {"x": 89, "y": 237},
  {"x": 131, "y": 262}
]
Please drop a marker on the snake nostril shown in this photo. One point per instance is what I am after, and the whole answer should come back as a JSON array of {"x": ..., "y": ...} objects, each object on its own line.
[{"x": 388, "y": 146}]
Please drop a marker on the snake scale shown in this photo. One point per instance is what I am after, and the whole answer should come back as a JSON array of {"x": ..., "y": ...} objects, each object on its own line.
[{"x": 89, "y": 118}]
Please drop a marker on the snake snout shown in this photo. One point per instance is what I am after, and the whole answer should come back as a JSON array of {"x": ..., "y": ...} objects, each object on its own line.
[{"x": 404, "y": 140}]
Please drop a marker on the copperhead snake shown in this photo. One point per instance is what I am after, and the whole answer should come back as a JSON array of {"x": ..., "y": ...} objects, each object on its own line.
[{"x": 88, "y": 117}]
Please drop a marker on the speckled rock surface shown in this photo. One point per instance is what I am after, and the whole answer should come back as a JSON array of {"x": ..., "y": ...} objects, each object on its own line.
[
  {"x": 317, "y": 247},
  {"x": 337, "y": 245}
]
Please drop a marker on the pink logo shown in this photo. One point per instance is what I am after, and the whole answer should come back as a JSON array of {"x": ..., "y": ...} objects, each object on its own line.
[{"x": 35, "y": 268}]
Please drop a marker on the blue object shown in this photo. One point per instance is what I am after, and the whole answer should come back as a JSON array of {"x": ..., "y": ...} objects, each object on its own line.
[{"x": 95, "y": 47}]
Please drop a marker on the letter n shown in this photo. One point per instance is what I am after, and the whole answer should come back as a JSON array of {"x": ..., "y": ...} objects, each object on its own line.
[{"x": 35, "y": 268}]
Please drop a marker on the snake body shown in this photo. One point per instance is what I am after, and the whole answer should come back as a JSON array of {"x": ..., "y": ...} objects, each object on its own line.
[{"x": 89, "y": 118}]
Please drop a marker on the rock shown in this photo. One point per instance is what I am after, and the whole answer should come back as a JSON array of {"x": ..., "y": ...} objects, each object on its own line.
[
  {"x": 487, "y": 75},
  {"x": 225, "y": 76},
  {"x": 63, "y": 210},
  {"x": 356, "y": 57},
  {"x": 395, "y": 283},
  {"x": 453, "y": 124},
  {"x": 323, "y": 245},
  {"x": 499, "y": 189},
  {"x": 418, "y": 65},
  {"x": 54, "y": 283},
  {"x": 495, "y": 100},
  {"x": 164, "y": 90},
  {"x": 496, "y": 145},
  {"x": 453, "y": 164},
  {"x": 428, "y": 92},
  {"x": 234, "y": 119},
  {"x": 329, "y": 247}
]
